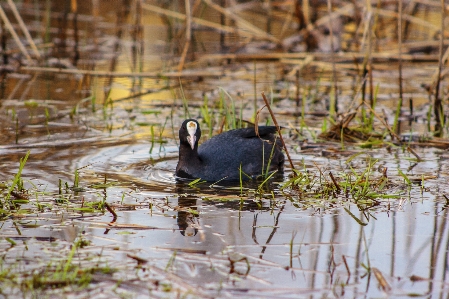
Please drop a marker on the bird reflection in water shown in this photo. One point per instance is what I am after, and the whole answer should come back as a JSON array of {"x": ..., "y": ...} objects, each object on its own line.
[{"x": 188, "y": 218}]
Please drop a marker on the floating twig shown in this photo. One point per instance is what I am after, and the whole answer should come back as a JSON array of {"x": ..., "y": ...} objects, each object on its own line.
[
  {"x": 111, "y": 210},
  {"x": 381, "y": 279},
  {"x": 139, "y": 260},
  {"x": 410, "y": 150}
]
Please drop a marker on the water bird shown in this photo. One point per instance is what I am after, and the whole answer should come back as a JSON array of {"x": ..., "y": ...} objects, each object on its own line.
[{"x": 222, "y": 156}]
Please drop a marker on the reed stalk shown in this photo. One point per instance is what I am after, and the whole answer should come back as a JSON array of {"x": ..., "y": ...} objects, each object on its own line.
[
  {"x": 438, "y": 105},
  {"x": 278, "y": 129}
]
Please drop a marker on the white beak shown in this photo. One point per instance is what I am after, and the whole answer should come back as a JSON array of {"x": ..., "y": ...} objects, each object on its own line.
[{"x": 191, "y": 128}]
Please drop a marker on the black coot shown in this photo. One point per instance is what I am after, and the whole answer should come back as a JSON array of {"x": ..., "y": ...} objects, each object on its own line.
[{"x": 221, "y": 156}]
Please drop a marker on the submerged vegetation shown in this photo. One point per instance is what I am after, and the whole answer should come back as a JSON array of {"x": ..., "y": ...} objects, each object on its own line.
[{"x": 93, "y": 92}]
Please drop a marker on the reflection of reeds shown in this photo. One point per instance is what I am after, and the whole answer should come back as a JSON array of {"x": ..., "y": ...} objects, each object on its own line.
[
  {"x": 188, "y": 36},
  {"x": 13, "y": 33},
  {"x": 24, "y": 28},
  {"x": 156, "y": 75},
  {"x": 370, "y": 23},
  {"x": 253, "y": 31}
]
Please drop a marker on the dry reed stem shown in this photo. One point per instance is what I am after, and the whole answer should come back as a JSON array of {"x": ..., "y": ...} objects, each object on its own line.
[
  {"x": 14, "y": 34},
  {"x": 346, "y": 10},
  {"x": 306, "y": 12},
  {"x": 383, "y": 122},
  {"x": 337, "y": 186},
  {"x": 188, "y": 36},
  {"x": 366, "y": 28},
  {"x": 155, "y": 75},
  {"x": 321, "y": 172},
  {"x": 409, "y": 149},
  {"x": 41, "y": 46},
  {"x": 370, "y": 62},
  {"x": 334, "y": 70},
  {"x": 24, "y": 28},
  {"x": 430, "y": 3},
  {"x": 287, "y": 22},
  {"x": 278, "y": 128},
  {"x": 440, "y": 73},
  {"x": 202, "y": 22},
  {"x": 438, "y": 105},
  {"x": 408, "y": 18},
  {"x": 400, "y": 60},
  {"x": 409, "y": 10},
  {"x": 367, "y": 59},
  {"x": 111, "y": 210},
  {"x": 241, "y": 22},
  {"x": 300, "y": 64},
  {"x": 411, "y": 45},
  {"x": 342, "y": 56},
  {"x": 182, "y": 29},
  {"x": 435, "y": 142}
]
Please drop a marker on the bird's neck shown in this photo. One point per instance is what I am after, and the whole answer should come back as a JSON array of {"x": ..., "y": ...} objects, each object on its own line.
[{"x": 186, "y": 153}]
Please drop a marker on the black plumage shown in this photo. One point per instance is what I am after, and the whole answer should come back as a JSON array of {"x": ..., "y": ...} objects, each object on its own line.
[{"x": 220, "y": 157}]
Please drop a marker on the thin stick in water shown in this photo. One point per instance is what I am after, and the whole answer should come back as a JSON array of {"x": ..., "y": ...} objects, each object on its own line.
[
  {"x": 438, "y": 107},
  {"x": 111, "y": 210},
  {"x": 335, "y": 182},
  {"x": 398, "y": 113},
  {"x": 277, "y": 128}
]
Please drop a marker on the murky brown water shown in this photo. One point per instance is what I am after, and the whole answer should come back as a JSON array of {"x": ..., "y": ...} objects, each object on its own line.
[{"x": 119, "y": 134}]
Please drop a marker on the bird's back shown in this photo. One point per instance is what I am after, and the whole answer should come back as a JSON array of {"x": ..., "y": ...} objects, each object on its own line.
[{"x": 223, "y": 154}]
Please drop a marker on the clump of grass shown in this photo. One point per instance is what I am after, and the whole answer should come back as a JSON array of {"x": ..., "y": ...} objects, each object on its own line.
[
  {"x": 260, "y": 188},
  {"x": 76, "y": 181},
  {"x": 14, "y": 192},
  {"x": 224, "y": 113},
  {"x": 362, "y": 187},
  {"x": 229, "y": 110},
  {"x": 185, "y": 104},
  {"x": 60, "y": 273}
]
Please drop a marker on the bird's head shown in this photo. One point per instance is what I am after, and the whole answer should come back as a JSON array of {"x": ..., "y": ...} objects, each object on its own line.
[{"x": 190, "y": 132}]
